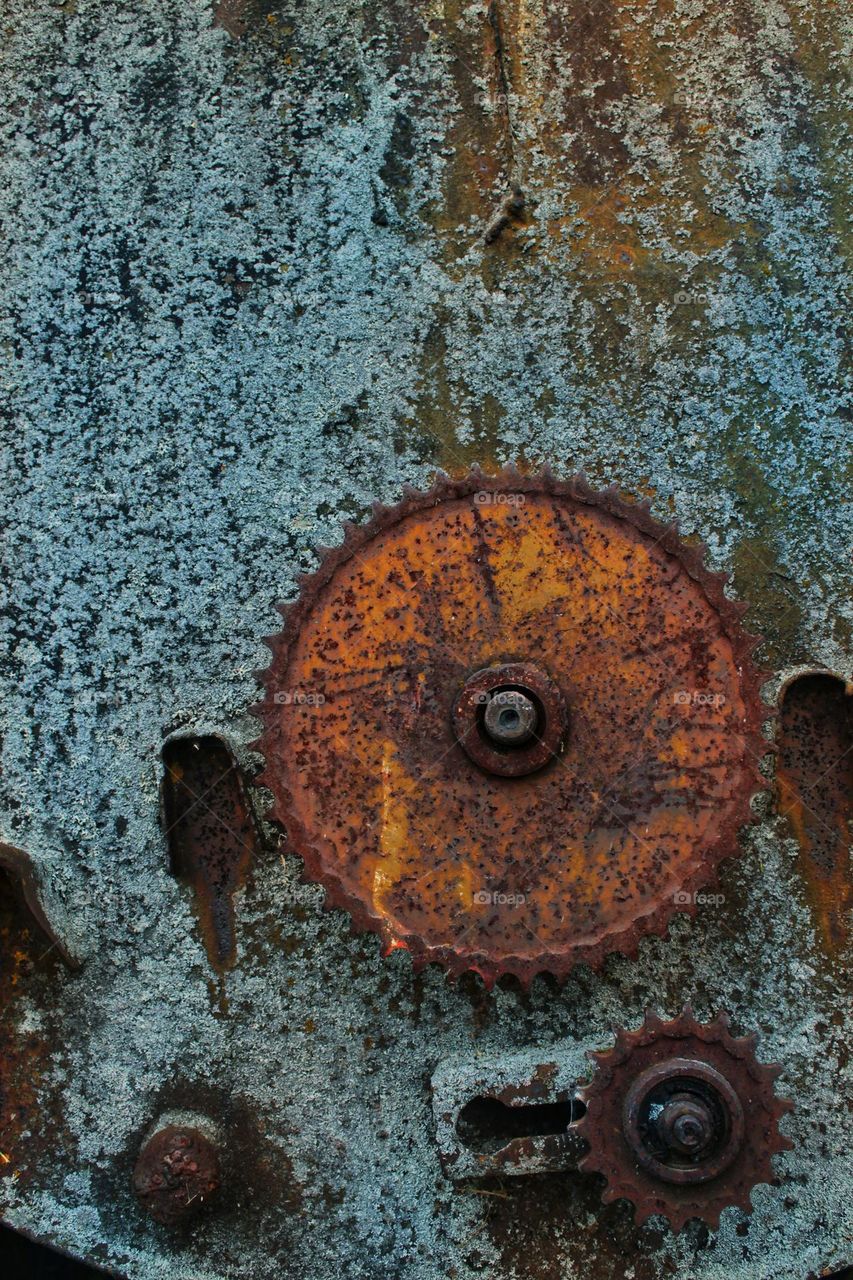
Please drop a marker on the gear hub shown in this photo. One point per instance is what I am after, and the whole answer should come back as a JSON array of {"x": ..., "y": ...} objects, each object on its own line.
[
  {"x": 512, "y": 724},
  {"x": 681, "y": 1119}
]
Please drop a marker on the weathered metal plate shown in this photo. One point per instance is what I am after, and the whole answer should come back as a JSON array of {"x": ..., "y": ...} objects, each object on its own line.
[
  {"x": 508, "y": 1116},
  {"x": 261, "y": 273}
]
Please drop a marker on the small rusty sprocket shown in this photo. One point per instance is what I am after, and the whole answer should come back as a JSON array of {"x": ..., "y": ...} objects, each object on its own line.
[
  {"x": 681, "y": 1119},
  {"x": 512, "y": 724}
]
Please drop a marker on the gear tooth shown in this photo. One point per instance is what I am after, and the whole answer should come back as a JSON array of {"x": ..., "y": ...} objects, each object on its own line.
[
  {"x": 678, "y": 1218},
  {"x": 284, "y": 607},
  {"x": 653, "y": 1021},
  {"x": 488, "y": 978},
  {"x": 441, "y": 487},
  {"x": 712, "y": 1218},
  {"x": 378, "y": 509},
  {"x": 622, "y": 1037}
]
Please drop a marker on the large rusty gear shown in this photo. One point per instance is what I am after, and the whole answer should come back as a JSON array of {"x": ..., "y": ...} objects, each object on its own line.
[
  {"x": 549, "y": 831},
  {"x": 682, "y": 1120}
]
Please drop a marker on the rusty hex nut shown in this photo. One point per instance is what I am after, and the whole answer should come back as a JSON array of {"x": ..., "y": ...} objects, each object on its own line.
[{"x": 177, "y": 1173}]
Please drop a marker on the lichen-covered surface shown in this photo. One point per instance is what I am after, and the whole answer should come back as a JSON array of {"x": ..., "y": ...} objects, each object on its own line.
[{"x": 262, "y": 266}]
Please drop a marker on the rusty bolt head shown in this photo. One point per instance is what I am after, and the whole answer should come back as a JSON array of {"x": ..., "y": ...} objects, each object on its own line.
[
  {"x": 516, "y": 746},
  {"x": 686, "y": 1125},
  {"x": 510, "y": 717},
  {"x": 177, "y": 1173}
]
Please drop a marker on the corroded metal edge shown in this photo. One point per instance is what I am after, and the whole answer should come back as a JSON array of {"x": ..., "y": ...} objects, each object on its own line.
[
  {"x": 19, "y": 865},
  {"x": 692, "y": 559}
]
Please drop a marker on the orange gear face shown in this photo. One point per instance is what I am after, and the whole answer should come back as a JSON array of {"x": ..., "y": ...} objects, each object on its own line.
[{"x": 441, "y": 837}]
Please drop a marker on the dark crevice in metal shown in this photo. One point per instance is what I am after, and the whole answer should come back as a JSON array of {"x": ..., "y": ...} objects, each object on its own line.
[
  {"x": 499, "y": 55},
  {"x": 815, "y": 777},
  {"x": 23, "y": 879},
  {"x": 487, "y": 1124},
  {"x": 211, "y": 832}
]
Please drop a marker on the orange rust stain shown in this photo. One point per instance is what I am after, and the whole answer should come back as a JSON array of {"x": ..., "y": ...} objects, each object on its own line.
[{"x": 815, "y": 780}]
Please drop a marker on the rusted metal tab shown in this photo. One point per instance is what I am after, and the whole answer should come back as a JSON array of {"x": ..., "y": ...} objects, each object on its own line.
[{"x": 506, "y": 1116}]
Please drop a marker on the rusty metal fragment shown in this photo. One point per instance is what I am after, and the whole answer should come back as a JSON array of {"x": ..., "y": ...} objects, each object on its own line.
[
  {"x": 630, "y": 811},
  {"x": 815, "y": 777},
  {"x": 177, "y": 1173},
  {"x": 31, "y": 1128},
  {"x": 682, "y": 1120},
  {"x": 211, "y": 833},
  {"x": 231, "y": 15}
]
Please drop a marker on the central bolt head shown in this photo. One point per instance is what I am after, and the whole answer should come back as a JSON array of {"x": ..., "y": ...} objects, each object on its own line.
[
  {"x": 510, "y": 717},
  {"x": 686, "y": 1125}
]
